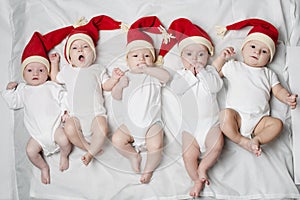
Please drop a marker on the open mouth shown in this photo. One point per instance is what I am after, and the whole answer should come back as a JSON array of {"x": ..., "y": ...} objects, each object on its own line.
[
  {"x": 81, "y": 58},
  {"x": 35, "y": 79}
]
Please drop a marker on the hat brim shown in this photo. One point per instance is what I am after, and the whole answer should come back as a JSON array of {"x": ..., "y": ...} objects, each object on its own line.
[
  {"x": 140, "y": 44},
  {"x": 38, "y": 59},
  {"x": 196, "y": 40}
]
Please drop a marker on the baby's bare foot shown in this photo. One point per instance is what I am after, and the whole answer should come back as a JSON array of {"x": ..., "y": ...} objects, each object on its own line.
[
  {"x": 136, "y": 162},
  {"x": 146, "y": 177},
  {"x": 251, "y": 145},
  {"x": 254, "y": 146},
  {"x": 198, "y": 187},
  {"x": 45, "y": 175},
  {"x": 86, "y": 159},
  {"x": 64, "y": 163}
]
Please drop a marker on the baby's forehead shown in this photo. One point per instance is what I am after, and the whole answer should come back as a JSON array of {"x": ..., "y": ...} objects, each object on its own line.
[
  {"x": 140, "y": 50},
  {"x": 79, "y": 42},
  {"x": 258, "y": 43},
  {"x": 195, "y": 47},
  {"x": 35, "y": 65}
]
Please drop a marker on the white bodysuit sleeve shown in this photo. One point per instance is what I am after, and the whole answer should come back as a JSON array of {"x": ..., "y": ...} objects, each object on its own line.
[
  {"x": 13, "y": 97},
  {"x": 182, "y": 82},
  {"x": 211, "y": 79}
]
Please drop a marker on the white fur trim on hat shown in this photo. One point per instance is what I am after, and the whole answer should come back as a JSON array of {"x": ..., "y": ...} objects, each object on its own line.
[
  {"x": 196, "y": 40},
  {"x": 79, "y": 36},
  {"x": 140, "y": 44},
  {"x": 262, "y": 38},
  {"x": 39, "y": 59}
]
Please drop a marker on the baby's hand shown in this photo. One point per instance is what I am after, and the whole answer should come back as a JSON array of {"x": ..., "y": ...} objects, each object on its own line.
[
  {"x": 198, "y": 68},
  {"x": 11, "y": 85},
  {"x": 292, "y": 100},
  {"x": 117, "y": 73},
  {"x": 124, "y": 81},
  {"x": 227, "y": 53},
  {"x": 54, "y": 57}
]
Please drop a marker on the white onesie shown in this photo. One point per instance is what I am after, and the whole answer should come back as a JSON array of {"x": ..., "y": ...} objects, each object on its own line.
[
  {"x": 248, "y": 92},
  {"x": 198, "y": 95},
  {"x": 43, "y": 107},
  {"x": 85, "y": 96},
  {"x": 141, "y": 102}
]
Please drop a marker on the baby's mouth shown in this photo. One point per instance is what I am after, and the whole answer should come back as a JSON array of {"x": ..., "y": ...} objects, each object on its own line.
[
  {"x": 81, "y": 58},
  {"x": 34, "y": 79}
]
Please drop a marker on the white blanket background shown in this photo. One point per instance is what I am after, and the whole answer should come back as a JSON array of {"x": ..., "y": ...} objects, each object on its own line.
[{"x": 237, "y": 174}]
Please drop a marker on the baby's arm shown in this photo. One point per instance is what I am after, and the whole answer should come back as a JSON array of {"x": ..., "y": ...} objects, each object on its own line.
[
  {"x": 221, "y": 59},
  {"x": 117, "y": 73},
  {"x": 12, "y": 95},
  {"x": 158, "y": 72},
  {"x": 54, "y": 69},
  {"x": 285, "y": 96},
  {"x": 182, "y": 83},
  {"x": 117, "y": 91},
  {"x": 210, "y": 79}
]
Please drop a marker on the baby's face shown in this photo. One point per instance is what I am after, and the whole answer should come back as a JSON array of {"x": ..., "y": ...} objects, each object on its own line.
[
  {"x": 81, "y": 54},
  {"x": 194, "y": 55},
  {"x": 138, "y": 57},
  {"x": 35, "y": 74},
  {"x": 256, "y": 53}
]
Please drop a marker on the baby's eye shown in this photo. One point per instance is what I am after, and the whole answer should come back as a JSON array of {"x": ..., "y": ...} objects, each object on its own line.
[
  {"x": 86, "y": 46},
  {"x": 201, "y": 54},
  {"x": 135, "y": 55},
  {"x": 252, "y": 46},
  {"x": 74, "y": 48},
  {"x": 188, "y": 54},
  {"x": 41, "y": 70},
  {"x": 264, "y": 51},
  {"x": 29, "y": 70},
  {"x": 147, "y": 56}
]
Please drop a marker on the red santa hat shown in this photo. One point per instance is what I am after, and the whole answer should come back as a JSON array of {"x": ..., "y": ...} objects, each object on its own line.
[
  {"x": 137, "y": 38},
  {"x": 184, "y": 32},
  {"x": 262, "y": 31},
  {"x": 89, "y": 32},
  {"x": 39, "y": 45}
]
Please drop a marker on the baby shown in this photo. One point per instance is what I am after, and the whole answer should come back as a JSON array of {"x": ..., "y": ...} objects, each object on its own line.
[
  {"x": 44, "y": 103},
  {"x": 85, "y": 81},
  {"x": 140, "y": 93},
  {"x": 196, "y": 85},
  {"x": 246, "y": 119}
]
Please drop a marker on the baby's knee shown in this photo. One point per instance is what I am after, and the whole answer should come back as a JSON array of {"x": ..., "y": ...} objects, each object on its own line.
[
  {"x": 31, "y": 150},
  {"x": 117, "y": 139},
  {"x": 278, "y": 123},
  {"x": 62, "y": 140}
]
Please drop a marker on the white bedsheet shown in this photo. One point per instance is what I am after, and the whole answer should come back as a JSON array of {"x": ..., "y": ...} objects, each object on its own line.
[{"x": 237, "y": 174}]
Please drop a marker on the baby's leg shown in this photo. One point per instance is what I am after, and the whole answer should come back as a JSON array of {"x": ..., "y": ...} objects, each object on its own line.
[
  {"x": 99, "y": 134},
  {"x": 34, "y": 151},
  {"x": 122, "y": 141},
  {"x": 154, "y": 144},
  {"x": 230, "y": 123},
  {"x": 74, "y": 133},
  {"x": 191, "y": 153},
  {"x": 267, "y": 129},
  {"x": 214, "y": 144},
  {"x": 65, "y": 148}
]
